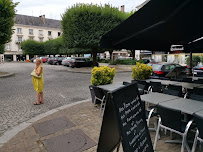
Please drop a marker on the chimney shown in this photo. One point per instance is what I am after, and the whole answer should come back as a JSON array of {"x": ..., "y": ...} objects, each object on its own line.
[
  {"x": 122, "y": 8},
  {"x": 42, "y": 17}
]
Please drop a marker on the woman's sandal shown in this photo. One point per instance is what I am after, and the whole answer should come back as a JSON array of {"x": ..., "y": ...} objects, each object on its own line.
[
  {"x": 35, "y": 103},
  {"x": 41, "y": 102}
]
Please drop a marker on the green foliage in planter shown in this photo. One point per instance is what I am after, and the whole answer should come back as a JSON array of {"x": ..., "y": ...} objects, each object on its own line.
[
  {"x": 141, "y": 71},
  {"x": 104, "y": 60},
  {"x": 102, "y": 75},
  {"x": 126, "y": 62},
  {"x": 195, "y": 60}
]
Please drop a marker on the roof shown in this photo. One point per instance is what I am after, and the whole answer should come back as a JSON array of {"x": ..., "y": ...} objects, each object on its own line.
[{"x": 37, "y": 21}]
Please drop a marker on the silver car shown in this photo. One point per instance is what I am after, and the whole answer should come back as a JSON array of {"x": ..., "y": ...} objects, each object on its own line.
[{"x": 66, "y": 61}]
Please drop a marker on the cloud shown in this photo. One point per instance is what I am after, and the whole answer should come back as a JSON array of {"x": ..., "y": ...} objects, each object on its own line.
[{"x": 54, "y": 8}]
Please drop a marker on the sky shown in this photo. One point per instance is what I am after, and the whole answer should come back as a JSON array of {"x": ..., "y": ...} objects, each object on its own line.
[{"x": 54, "y": 8}]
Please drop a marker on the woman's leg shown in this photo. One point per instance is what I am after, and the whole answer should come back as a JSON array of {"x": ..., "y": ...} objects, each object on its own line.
[
  {"x": 38, "y": 97},
  {"x": 41, "y": 96}
]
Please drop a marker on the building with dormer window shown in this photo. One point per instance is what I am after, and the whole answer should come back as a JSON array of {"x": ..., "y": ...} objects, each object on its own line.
[{"x": 29, "y": 27}]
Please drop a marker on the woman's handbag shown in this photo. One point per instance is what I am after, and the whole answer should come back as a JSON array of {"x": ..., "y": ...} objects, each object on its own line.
[{"x": 34, "y": 74}]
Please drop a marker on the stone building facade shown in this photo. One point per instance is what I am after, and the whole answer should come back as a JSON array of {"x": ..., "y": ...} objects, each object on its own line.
[{"x": 29, "y": 27}]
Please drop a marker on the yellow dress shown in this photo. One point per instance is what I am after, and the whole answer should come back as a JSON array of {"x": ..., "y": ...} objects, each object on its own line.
[{"x": 38, "y": 83}]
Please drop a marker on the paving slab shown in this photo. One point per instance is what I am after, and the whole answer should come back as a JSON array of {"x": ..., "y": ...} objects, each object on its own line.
[
  {"x": 51, "y": 126},
  {"x": 74, "y": 141}
]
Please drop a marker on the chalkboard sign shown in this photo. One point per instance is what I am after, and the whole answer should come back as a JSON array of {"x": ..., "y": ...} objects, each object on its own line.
[
  {"x": 131, "y": 121},
  {"x": 110, "y": 133}
]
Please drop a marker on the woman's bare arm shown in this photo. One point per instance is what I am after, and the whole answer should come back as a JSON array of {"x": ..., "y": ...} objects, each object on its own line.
[{"x": 38, "y": 70}]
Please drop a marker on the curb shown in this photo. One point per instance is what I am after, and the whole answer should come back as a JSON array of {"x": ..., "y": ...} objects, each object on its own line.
[
  {"x": 7, "y": 75},
  {"x": 90, "y": 72},
  {"x": 15, "y": 130}
]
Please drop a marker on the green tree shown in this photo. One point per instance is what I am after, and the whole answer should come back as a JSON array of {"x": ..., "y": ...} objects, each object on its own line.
[
  {"x": 201, "y": 58},
  {"x": 53, "y": 47},
  {"x": 7, "y": 14},
  {"x": 32, "y": 47},
  {"x": 195, "y": 60},
  {"x": 84, "y": 24},
  {"x": 2, "y": 48}
]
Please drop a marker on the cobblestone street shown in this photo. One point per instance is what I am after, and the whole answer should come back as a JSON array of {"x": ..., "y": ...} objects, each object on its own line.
[{"x": 61, "y": 87}]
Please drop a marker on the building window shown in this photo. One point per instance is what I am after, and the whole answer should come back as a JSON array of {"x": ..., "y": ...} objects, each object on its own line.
[
  {"x": 20, "y": 39},
  {"x": 8, "y": 47},
  {"x": 19, "y": 30},
  {"x": 41, "y": 39},
  {"x": 49, "y": 33},
  {"x": 59, "y": 33},
  {"x": 31, "y": 31},
  {"x": 31, "y": 38},
  {"x": 40, "y": 32}
]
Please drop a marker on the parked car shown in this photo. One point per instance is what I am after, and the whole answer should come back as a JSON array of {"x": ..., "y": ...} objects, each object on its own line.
[
  {"x": 81, "y": 62},
  {"x": 198, "y": 70},
  {"x": 51, "y": 61},
  {"x": 32, "y": 60},
  {"x": 146, "y": 61},
  {"x": 66, "y": 61},
  {"x": 58, "y": 60},
  {"x": 44, "y": 59},
  {"x": 162, "y": 69}
]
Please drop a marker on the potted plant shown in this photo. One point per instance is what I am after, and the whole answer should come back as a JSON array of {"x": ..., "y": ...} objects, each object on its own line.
[
  {"x": 101, "y": 76},
  {"x": 141, "y": 71}
]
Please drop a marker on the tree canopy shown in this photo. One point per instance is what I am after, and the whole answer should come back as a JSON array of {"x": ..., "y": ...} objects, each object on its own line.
[
  {"x": 2, "y": 48},
  {"x": 84, "y": 24},
  {"x": 32, "y": 47},
  {"x": 7, "y": 14},
  {"x": 53, "y": 46}
]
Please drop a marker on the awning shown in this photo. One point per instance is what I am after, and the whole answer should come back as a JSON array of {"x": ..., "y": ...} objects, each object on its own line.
[{"x": 158, "y": 25}]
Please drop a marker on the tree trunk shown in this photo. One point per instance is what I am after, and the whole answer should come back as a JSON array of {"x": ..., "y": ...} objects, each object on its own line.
[
  {"x": 94, "y": 53},
  {"x": 189, "y": 69},
  {"x": 133, "y": 54},
  {"x": 111, "y": 53}
]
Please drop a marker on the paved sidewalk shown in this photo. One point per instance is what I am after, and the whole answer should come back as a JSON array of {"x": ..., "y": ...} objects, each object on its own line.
[
  {"x": 82, "y": 119},
  {"x": 89, "y": 70}
]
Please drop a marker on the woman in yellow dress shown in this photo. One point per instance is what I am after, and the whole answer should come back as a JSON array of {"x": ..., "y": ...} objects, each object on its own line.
[{"x": 38, "y": 83}]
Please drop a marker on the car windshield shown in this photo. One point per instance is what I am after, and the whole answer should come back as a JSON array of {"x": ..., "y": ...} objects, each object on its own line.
[
  {"x": 156, "y": 67},
  {"x": 200, "y": 64}
]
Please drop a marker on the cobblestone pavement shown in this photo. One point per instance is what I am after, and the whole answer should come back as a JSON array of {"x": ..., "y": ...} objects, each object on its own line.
[
  {"x": 61, "y": 87},
  {"x": 86, "y": 118}
]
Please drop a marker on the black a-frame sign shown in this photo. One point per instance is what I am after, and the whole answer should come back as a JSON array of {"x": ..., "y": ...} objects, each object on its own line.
[{"x": 124, "y": 121}]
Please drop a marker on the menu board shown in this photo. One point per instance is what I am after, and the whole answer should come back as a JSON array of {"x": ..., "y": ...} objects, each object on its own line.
[{"x": 131, "y": 120}]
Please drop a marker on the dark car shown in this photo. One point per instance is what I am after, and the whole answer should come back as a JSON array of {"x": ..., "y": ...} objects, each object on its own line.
[
  {"x": 198, "y": 70},
  {"x": 162, "y": 69},
  {"x": 58, "y": 60},
  {"x": 146, "y": 61},
  {"x": 51, "y": 61},
  {"x": 81, "y": 62}
]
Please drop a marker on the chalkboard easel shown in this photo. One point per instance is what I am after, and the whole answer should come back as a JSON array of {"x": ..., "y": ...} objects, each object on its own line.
[{"x": 124, "y": 121}]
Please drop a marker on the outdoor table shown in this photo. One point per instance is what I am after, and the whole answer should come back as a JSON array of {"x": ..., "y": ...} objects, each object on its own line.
[
  {"x": 156, "y": 98},
  {"x": 187, "y": 85},
  {"x": 186, "y": 106},
  {"x": 199, "y": 113},
  {"x": 163, "y": 82},
  {"x": 110, "y": 87},
  {"x": 200, "y": 86}
]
